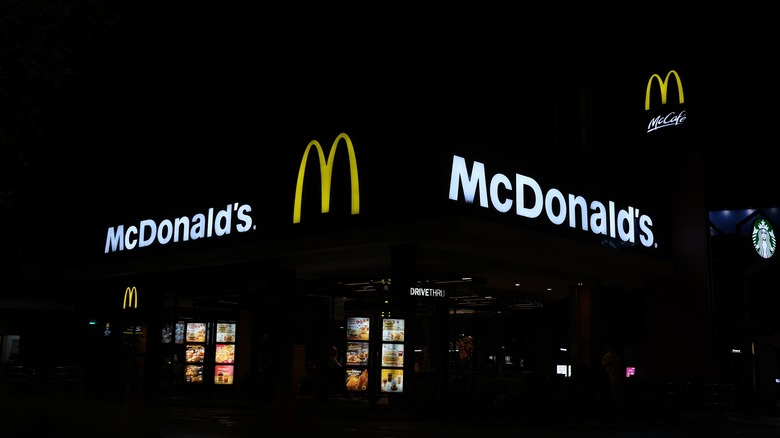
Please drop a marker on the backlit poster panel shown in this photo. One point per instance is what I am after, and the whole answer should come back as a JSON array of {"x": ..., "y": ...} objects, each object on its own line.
[
  {"x": 392, "y": 355},
  {"x": 226, "y": 353},
  {"x": 392, "y": 380},
  {"x": 358, "y": 328},
  {"x": 223, "y": 375},
  {"x": 196, "y": 332},
  {"x": 357, "y": 353},
  {"x": 357, "y": 379},
  {"x": 226, "y": 332},
  {"x": 193, "y": 373},
  {"x": 393, "y": 330}
]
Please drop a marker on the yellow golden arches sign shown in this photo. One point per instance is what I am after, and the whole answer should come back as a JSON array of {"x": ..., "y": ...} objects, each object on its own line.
[
  {"x": 663, "y": 85},
  {"x": 131, "y": 298},
  {"x": 326, "y": 169}
]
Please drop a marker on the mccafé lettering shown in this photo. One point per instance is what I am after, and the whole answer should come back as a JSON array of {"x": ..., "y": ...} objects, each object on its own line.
[
  {"x": 201, "y": 225},
  {"x": 557, "y": 207},
  {"x": 426, "y": 292},
  {"x": 670, "y": 119}
]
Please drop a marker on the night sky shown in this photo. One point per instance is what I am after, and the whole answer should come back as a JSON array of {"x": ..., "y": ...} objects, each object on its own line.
[
  {"x": 169, "y": 98},
  {"x": 205, "y": 89}
]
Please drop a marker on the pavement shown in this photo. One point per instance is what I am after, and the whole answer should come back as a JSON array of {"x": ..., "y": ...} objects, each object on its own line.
[
  {"x": 35, "y": 415},
  {"x": 355, "y": 417}
]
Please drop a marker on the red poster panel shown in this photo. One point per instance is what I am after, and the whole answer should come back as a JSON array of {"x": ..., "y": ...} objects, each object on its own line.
[
  {"x": 223, "y": 374},
  {"x": 226, "y": 353}
]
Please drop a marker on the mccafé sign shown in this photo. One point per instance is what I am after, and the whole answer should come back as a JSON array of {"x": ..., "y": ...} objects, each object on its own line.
[
  {"x": 669, "y": 119},
  {"x": 605, "y": 219}
]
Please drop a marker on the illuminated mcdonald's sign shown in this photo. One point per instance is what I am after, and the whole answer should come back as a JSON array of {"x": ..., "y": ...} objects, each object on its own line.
[
  {"x": 326, "y": 169},
  {"x": 663, "y": 85},
  {"x": 131, "y": 298}
]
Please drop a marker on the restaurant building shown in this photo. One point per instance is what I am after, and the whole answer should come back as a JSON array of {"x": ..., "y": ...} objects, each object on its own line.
[{"x": 484, "y": 243}]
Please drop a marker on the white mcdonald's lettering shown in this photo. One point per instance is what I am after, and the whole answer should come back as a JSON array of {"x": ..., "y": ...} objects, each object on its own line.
[
  {"x": 326, "y": 169},
  {"x": 601, "y": 219},
  {"x": 131, "y": 298},
  {"x": 663, "y": 85},
  {"x": 201, "y": 225}
]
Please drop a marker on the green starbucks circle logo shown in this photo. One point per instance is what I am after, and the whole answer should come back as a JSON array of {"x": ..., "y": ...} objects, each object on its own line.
[{"x": 764, "y": 238}]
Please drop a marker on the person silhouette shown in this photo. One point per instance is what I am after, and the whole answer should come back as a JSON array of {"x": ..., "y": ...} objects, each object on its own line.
[
  {"x": 335, "y": 373},
  {"x": 613, "y": 365}
]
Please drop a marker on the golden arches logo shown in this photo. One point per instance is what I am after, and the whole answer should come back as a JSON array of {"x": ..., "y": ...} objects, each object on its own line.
[
  {"x": 131, "y": 298},
  {"x": 663, "y": 85},
  {"x": 326, "y": 170}
]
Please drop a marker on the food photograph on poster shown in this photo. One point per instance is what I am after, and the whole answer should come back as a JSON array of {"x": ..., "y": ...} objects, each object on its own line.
[
  {"x": 195, "y": 353},
  {"x": 193, "y": 373},
  {"x": 358, "y": 328},
  {"x": 357, "y": 379},
  {"x": 226, "y": 353},
  {"x": 196, "y": 332},
  {"x": 393, "y": 330},
  {"x": 357, "y": 353},
  {"x": 392, "y": 355},
  {"x": 392, "y": 380},
  {"x": 223, "y": 375},
  {"x": 226, "y": 332}
]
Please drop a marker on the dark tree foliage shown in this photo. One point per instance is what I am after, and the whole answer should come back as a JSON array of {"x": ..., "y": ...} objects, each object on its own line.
[{"x": 41, "y": 45}]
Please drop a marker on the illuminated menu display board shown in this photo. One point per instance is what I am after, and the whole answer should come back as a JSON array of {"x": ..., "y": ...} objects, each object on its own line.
[
  {"x": 209, "y": 349},
  {"x": 392, "y": 357},
  {"x": 357, "y": 357},
  {"x": 195, "y": 352},
  {"x": 374, "y": 354},
  {"x": 224, "y": 353}
]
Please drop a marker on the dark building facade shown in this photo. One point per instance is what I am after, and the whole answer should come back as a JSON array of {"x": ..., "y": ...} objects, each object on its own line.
[{"x": 505, "y": 227}]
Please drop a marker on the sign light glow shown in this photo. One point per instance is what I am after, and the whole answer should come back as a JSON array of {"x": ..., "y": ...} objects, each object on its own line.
[
  {"x": 764, "y": 238},
  {"x": 200, "y": 225},
  {"x": 672, "y": 118},
  {"x": 602, "y": 219},
  {"x": 326, "y": 171},
  {"x": 131, "y": 298}
]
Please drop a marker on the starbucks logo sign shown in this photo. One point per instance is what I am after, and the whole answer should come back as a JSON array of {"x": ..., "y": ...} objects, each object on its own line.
[{"x": 764, "y": 238}]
